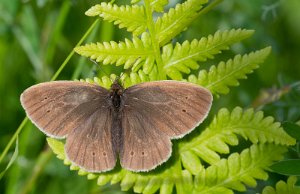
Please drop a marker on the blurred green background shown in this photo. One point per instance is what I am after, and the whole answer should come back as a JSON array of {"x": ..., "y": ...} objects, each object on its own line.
[{"x": 36, "y": 37}]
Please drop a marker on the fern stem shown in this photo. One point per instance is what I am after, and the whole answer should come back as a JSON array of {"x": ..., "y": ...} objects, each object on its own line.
[
  {"x": 72, "y": 52},
  {"x": 12, "y": 140},
  {"x": 39, "y": 167},
  {"x": 209, "y": 7},
  {"x": 155, "y": 43},
  {"x": 25, "y": 120}
]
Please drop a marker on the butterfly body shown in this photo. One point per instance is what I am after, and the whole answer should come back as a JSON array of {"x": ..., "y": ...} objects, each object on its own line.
[{"x": 135, "y": 124}]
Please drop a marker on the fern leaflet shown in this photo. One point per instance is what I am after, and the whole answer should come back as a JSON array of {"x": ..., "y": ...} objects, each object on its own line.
[
  {"x": 176, "y": 20},
  {"x": 219, "y": 77},
  {"x": 129, "y": 53},
  {"x": 223, "y": 131},
  {"x": 288, "y": 187},
  {"x": 238, "y": 170},
  {"x": 130, "y": 17},
  {"x": 233, "y": 173},
  {"x": 158, "y": 5},
  {"x": 127, "y": 80},
  {"x": 184, "y": 57}
]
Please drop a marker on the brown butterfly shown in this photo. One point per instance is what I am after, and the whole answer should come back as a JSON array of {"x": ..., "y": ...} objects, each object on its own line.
[{"x": 135, "y": 124}]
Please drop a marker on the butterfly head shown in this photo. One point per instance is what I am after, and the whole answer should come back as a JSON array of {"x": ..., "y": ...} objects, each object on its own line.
[{"x": 116, "y": 86}]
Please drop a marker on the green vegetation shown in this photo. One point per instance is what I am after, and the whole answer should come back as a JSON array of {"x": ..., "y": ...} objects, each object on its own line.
[{"x": 215, "y": 44}]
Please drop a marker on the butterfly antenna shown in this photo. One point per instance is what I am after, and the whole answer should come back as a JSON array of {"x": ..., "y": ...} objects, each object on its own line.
[{"x": 95, "y": 62}]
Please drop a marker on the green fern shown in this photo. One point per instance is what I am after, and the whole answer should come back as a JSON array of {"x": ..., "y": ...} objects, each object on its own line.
[
  {"x": 130, "y": 17},
  {"x": 126, "y": 79},
  {"x": 222, "y": 133},
  {"x": 128, "y": 53},
  {"x": 177, "y": 20},
  {"x": 288, "y": 187},
  {"x": 238, "y": 170},
  {"x": 203, "y": 163},
  {"x": 219, "y": 77},
  {"x": 184, "y": 57},
  {"x": 233, "y": 173},
  {"x": 158, "y": 5},
  {"x": 206, "y": 147}
]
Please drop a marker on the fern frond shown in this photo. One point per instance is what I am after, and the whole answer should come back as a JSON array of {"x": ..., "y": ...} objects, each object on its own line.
[
  {"x": 223, "y": 131},
  {"x": 127, "y": 80},
  {"x": 238, "y": 170},
  {"x": 220, "y": 77},
  {"x": 130, "y": 17},
  {"x": 227, "y": 174},
  {"x": 140, "y": 182},
  {"x": 134, "y": 1},
  {"x": 185, "y": 56},
  {"x": 223, "y": 175},
  {"x": 158, "y": 5},
  {"x": 288, "y": 187},
  {"x": 177, "y": 20},
  {"x": 128, "y": 53}
]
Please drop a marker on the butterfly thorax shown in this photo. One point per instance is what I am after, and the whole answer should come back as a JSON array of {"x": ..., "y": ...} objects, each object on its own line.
[{"x": 116, "y": 92}]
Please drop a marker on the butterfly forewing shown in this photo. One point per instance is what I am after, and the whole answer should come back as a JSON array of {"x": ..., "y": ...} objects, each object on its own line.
[
  {"x": 154, "y": 113},
  {"x": 78, "y": 111}
]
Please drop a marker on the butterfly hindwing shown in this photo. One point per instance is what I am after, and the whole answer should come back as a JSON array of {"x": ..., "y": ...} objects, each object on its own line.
[
  {"x": 90, "y": 146},
  {"x": 154, "y": 113}
]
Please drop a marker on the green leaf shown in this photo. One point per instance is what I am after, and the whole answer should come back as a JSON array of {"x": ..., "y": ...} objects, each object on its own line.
[
  {"x": 287, "y": 167},
  {"x": 128, "y": 53},
  {"x": 238, "y": 170},
  {"x": 134, "y": 1},
  {"x": 127, "y": 80},
  {"x": 283, "y": 187},
  {"x": 292, "y": 129},
  {"x": 130, "y": 17},
  {"x": 184, "y": 57},
  {"x": 220, "y": 77},
  {"x": 177, "y": 20},
  {"x": 158, "y": 5},
  {"x": 223, "y": 131},
  {"x": 223, "y": 176}
]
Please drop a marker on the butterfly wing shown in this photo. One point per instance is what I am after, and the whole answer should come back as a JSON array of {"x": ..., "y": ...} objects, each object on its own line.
[
  {"x": 154, "y": 113},
  {"x": 78, "y": 111}
]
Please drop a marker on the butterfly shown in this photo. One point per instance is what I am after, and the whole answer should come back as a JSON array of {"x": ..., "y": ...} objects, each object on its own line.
[{"x": 135, "y": 124}]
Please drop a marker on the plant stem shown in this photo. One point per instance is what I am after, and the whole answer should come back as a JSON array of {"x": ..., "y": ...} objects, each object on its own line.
[
  {"x": 72, "y": 52},
  {"x": 12, "y": 140},
  {"x": 41, "y": 163},
  {"x": 209, "y": 7},
  {"x": 155, "y": 44}
]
